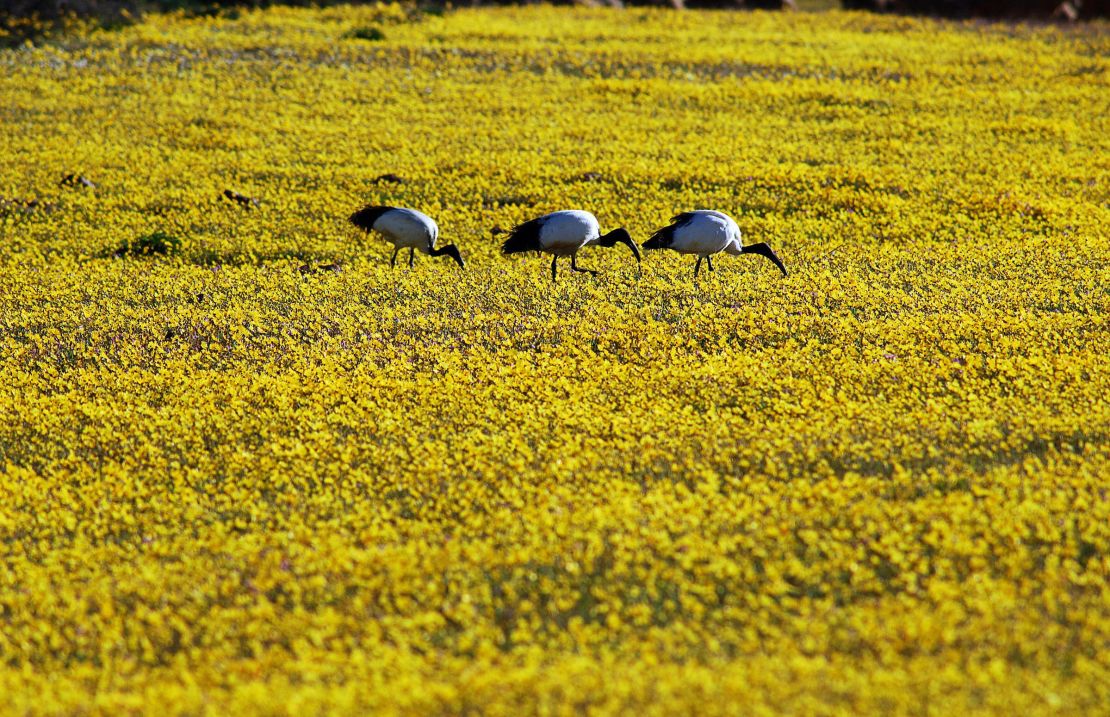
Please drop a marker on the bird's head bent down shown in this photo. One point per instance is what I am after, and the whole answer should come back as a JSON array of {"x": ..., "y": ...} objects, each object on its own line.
[
  {"x": 765, "y": 250},
  {"x": 452, "y": 251},
  {"x": 622, "y": 236}
]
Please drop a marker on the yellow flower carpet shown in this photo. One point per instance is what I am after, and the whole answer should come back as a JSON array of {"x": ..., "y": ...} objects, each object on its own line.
[{"x": 236, "y": 479}]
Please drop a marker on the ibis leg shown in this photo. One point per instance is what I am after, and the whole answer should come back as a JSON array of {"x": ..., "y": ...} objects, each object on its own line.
[
  {"x": 574, "y": 265},
  {"x": 393, "y": 259},
  {"x": 554, "y": 260},
  {"x": 709, "y": 262},
  {"x": 697, "y": 267},
  {"x": 412, "y": 252}
]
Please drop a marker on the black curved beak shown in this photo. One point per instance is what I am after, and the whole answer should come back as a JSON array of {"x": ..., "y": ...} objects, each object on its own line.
[
  {"x": 636, "y": 253},
  {"x": 778, "y": 262},
  {"x": 458, "y": 257},
  {"x": 765, "y": 250},
  {"x": 632, "y": 245}
]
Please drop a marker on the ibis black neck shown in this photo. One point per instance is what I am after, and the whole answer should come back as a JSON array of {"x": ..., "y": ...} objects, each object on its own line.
[
  {"x": 620, "y": 235},
  {"x": 450, "y": 250}
]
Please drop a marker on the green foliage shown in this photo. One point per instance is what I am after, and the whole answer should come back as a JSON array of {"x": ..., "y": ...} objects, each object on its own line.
[
  {"x": 154, "y": 244},
  {"x": 372, "y": 34}
]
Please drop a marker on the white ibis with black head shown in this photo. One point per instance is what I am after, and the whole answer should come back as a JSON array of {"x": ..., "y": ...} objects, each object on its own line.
[
  {"x": 405, "y": 229},
  {"x": 705, "y": 233},
  {"x": 563, "y": 234}
]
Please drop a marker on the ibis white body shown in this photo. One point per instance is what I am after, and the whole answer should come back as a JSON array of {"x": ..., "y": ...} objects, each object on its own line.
[
  {"x": 563, "y": 233},
  {"x": 706, "y": 233},
  {"x": 408, "y": 229},
  {"x": 405, "y": 229},
  {"x": 703, "y": 233}
]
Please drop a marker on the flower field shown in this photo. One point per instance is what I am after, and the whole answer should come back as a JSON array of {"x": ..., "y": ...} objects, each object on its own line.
[{"x": 232, "y": 482}]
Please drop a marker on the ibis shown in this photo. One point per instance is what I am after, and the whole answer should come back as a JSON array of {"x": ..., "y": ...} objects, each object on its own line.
[
  {"x": 563, "y": 234},
  {"x": 705, "y": 233},
  {"x": 405, "y": 229}
]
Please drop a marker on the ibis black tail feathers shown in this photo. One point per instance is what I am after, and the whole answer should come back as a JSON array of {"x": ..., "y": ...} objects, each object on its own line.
[
  {"x": 665, "y": 236},
  {"x": 660, "y": 239},
  {"x": 364, "y": 218},
  {"x": 524, "y": 237}
]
